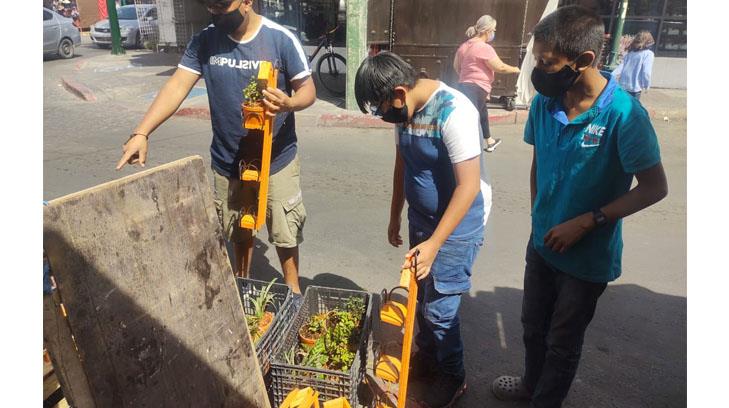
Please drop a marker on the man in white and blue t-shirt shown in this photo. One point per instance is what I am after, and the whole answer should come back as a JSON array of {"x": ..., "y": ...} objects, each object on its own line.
[
  {"x": 439, "y": 169},
  {"x": 227, "y": 55}
]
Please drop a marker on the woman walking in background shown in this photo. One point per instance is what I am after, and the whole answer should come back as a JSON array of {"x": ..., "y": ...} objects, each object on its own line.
[
  {"x": 476, "y": 63},
  {"x": 634, "y": 73}
]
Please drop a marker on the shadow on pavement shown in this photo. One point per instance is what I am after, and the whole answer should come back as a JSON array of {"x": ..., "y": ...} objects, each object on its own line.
[
  {"x": 155, "y": 59},
  {"x": 634, "y": 353},
  {"x": 323, "y": 94},
  {"x": 263, "y": 270},
  {"x": 54, "y": 57}
]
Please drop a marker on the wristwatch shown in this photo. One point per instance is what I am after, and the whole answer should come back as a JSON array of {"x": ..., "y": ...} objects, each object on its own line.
[{"x": 599, "y": 218}]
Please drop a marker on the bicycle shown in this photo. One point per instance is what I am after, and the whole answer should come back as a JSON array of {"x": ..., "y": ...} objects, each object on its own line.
[{"x": 331, "y": 67}]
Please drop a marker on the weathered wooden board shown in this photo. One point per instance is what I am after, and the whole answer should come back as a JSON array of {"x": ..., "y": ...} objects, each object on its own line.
[
  {"x": 57, "y": 339},
  {"x": 142, "y": 270}
]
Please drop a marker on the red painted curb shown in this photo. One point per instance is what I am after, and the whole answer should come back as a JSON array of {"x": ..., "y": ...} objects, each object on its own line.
[
  {"x": 80, "y": 64},
  {"x": 78, "y": 89},
  {"x": 351, "y": 120},
  {"x": 195, "y": 113},
  {"x": 367, "y": 121},
  {"x": 506, "y": 118}
]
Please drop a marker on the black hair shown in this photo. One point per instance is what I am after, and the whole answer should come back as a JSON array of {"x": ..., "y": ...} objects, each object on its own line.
[
  {"x": 378, "y": 76},
  {"x": 571, "y": 31},
  {"x": 211, "y": 3}
]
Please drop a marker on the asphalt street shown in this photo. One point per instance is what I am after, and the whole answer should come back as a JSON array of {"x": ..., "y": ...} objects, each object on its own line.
[{"x": 635, "y": 349}]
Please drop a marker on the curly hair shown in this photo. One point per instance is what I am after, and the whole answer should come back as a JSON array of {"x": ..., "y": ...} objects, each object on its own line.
[{"x": 641, "y": 41}]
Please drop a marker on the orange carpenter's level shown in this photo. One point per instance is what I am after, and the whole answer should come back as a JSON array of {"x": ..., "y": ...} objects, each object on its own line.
[
  {"x": 340, "y": 402},
  {"x": 306, "y": 398},
  {"x": 260, "y": 127}
]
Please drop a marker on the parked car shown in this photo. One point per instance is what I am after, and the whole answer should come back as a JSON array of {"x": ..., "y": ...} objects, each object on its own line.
[
  {"x": 131, "y": 36},
  {"x": 60, "y": 36}
]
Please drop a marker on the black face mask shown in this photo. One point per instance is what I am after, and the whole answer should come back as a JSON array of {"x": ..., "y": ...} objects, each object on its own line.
[
  {"x": 228, "y": 22},
  {"x": 396, "y": 115},
  {"x": 556, "y": 83}
]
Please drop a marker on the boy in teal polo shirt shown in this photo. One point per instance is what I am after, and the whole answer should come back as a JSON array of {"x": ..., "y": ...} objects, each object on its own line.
[{"x": 590, "y": 138}]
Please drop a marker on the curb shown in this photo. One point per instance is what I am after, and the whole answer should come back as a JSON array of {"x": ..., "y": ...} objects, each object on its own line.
[
  {"x": 78, "y": 89},
  {"x": 351, "y": 120},
  {"x": 356, "y": 120},
  {"x": 368, "y": 121},
  {"x": 194, "y": 113},
  {"x": 667, "y": 115}
]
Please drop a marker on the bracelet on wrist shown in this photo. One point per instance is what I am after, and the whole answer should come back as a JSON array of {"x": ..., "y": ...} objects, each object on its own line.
[{"x": 137, "y": 133}]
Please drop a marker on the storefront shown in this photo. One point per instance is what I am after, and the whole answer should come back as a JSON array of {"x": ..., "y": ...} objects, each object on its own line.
[
  {"x": 308, "y": 19},
  {"x": 664, "y": 19}
]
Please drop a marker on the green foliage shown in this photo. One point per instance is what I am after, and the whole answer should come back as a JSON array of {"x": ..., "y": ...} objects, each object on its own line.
[
  {"x": 251, "y": 92},
  {"x": 339, "y": 340},
  {"x": 315, "y": 356},
  {"x": 260, "y": 302},
  {"x": 264, "y": 298},
  {"x": 290, "y": 356},
  {"x": 356, "y": 307},
  {"x": 318, "y": 323},
  {"x": 336, "y": 348}
]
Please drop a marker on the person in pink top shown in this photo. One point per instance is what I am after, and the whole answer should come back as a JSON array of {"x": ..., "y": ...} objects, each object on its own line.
[{"x": 476, "y": 63}]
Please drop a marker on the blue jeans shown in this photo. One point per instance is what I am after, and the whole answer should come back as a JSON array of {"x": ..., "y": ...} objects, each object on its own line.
[
  {"x": 556, "y": 310},
  {"x": 439, "y": 298}
]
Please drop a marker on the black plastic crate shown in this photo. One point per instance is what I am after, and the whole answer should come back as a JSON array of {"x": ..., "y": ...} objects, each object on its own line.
[
  {"x": 283, "y": 307},
  {"x": 329, "y": 383}
]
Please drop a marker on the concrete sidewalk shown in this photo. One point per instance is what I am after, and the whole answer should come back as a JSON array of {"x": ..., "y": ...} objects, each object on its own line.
[{"x": 134, "y": 79}]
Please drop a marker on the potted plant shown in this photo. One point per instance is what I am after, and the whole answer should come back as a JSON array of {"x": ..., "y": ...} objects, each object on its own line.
[
  {"x": 329, "y": 340},
  {"x": 310, "y": 332},
  {"x": 253, "y": 114},
  {"x": 336, "y": 363},
  {"x": 261, "y": 319}
]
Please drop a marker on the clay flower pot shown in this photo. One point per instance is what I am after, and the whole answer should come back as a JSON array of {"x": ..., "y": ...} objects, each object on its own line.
[
  {"x": 265, "y": 322},
  {"x": 307, "y": 338},
  {"x": 253, "y": 116}
]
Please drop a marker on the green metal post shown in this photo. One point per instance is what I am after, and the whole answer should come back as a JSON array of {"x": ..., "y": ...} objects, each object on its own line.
[
  {"x": 356, "y": 45},
  {"x": 116, "y": 47},
  {"x": 617, "y": 35}
]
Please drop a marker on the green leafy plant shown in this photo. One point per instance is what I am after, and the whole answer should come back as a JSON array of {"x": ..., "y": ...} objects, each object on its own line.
[
  {"x": 338, "y": 331},
  {"x": 339, "y": 341},
  {"x": 260, "y": 303},
  {"x": 318, "y": 324},
  {"x": 315, "y": 356},
  {"x": 356, "y": 307},
  {"x": 251, "y": 92}
]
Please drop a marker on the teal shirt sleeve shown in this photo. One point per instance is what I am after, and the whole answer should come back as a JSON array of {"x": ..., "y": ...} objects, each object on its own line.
[
  {"x": 637, "y": 141},
  {"x": 529, "y": 127}
]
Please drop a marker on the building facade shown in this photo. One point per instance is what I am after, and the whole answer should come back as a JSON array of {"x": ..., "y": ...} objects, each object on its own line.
[{"x": 666, "y": 20}]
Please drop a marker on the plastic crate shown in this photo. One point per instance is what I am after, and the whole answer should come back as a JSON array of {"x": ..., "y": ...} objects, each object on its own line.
[
  {"x": 329, "y": 383},
  {"x": 283, "y": 307}
]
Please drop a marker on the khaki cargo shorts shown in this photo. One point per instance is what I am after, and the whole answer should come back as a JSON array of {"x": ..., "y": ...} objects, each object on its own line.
[{"x": 285, "y": 212}]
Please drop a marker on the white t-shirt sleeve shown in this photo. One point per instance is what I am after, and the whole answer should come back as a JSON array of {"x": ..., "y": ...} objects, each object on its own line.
[{"x": 462, "y": 132}]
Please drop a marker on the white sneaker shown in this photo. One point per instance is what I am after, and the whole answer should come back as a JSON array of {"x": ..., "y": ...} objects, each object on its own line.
[{"x": 491, "y": 147}]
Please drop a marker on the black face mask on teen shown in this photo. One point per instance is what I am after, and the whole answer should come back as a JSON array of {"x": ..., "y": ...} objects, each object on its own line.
[
  {"x": 556, "y": 83},
  {"x": 396, "y": 115},
  {"x": 228, "y": 22}
]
